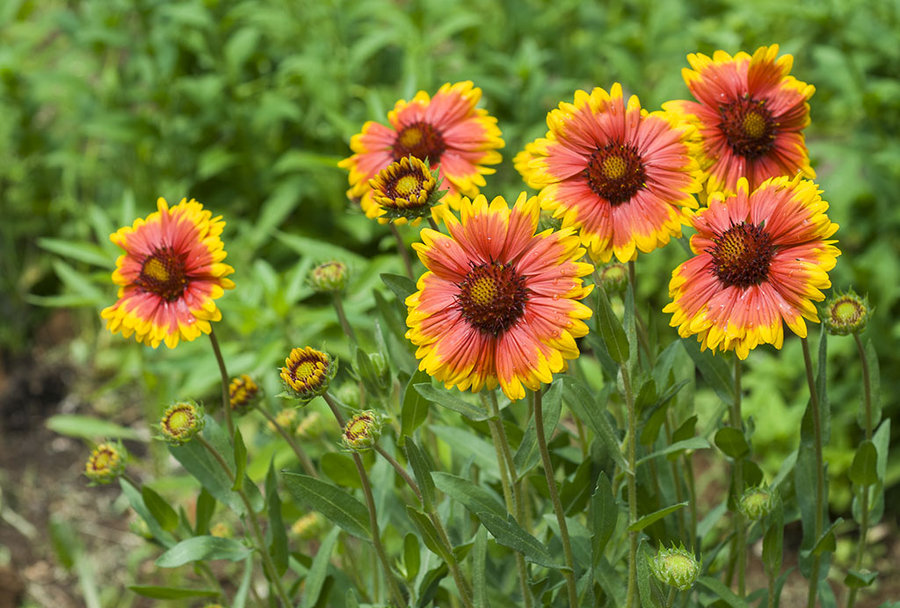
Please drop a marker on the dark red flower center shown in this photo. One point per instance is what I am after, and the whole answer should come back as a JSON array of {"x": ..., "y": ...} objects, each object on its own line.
[
  {"x": 492, "y": 297},
  {"x": 163, "y": 273},
  {"x": 615, "y": 172},
  {"x": 420, "y": 139},
  {"x": 748, "y": 127},
  {"x": 741, "y": 256}
]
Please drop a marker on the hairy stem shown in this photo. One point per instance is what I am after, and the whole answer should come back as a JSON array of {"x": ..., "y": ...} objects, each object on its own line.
[
  {"x": 302, "y": 456},
  {"x": 740, "y": 528},
  {"x": 631, "y": 477},
  {"x": 226, "y": 399},
  {"x": 820, "y": 473}
]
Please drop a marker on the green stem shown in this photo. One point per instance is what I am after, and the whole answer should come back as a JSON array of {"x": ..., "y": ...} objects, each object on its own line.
[
  {"x": 864, "y": 495},
  {"x": 670, "y": 599},
  {"x": 342, "y": 317},
  {"x": 305, "y": 462},
  {"x": 820, "y": 473},
  {"x": 393, "y": 587},
  {"x": 404, "y": 254},
  {"x": 631, "y": 477},
  {"x": 226, "y": 399},
  {"x": 268, "y": 565},
  {"x": 554, "y": 497},
  {"x": 740, "y": 529},
  {"x": 400, "y": 471}
]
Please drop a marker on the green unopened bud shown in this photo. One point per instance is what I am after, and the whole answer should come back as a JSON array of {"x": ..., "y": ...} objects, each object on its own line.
[
  {"x": 348, "y": 394},
  {"x": 362, "y": 431},
  {"x": 243, "y": 393},
  {"x": 676, "y": 567},
  {"x": 307, "y": 373},
  {"x": 614, "y": 277},
  {"x": 181, "y": 422},
  {"x": 106, "y": 463},
  {"x": 846, "y": 313},
  {"x": 757, "y": 502},
  {"x": 329, "y": 277}
]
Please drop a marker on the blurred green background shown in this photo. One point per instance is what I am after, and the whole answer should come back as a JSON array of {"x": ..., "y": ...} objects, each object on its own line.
[{"x": 248, "y": 105}]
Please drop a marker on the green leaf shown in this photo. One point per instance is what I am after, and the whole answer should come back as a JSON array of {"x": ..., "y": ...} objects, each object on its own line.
[
  {"x": 79, "y": 251},
  {"x": 604, "y": 514},
  {"x": 479, "y": 569},
  {"x": 315, "y": 579},
  {"x": 201, "y": 548},
  {"x": 276, "y": 538},
  {"x": 475, "y": 498},
  {"x": 412, "y": 559},
  {"x": 773, "y": 541},
  {"x": 591, "y": 411},
  {"x": 340, "y": 468},
  {"x": 422, "y": 468},
  {"x": 160, "y": 509},
  {"x": 687, "y": 429},
  {"x": 446, "y": 399},
  {"x": 874, "y": 387},
  {"x": 694, "y": 443},
  {"x": 714, "y": 370},
  {"x": 415, "y": 406},
  {"x": 527, "y": 455},
  {"x": 283, "y": 199},
  {"x": 240, "y": 459},
  {"x": 610, "y": 329},
  {"x": 332, "y": 502},
  {"x": 858, "y": 579},
  {"x": 722, "y": 592},
  {"x": 732, "y": 442},
  {"x": 206, "y": 469},
  {"x": 402, "y": 286},
  {"x": 643, "y": 578},
  {"x": 428, "y": 533},
  {"x": 864, "y": 470},
  {"x": 508, "y": 533},
  {"x": 171, "y": 593},
  {"x": 85, "y": 427},
  {"x": 206, "y": 506},
  {"x": 137, "y": 503},
  {"x": 827, "y": 542},
  {"x": 468, "y": 445},
  {"x": 648, "y": 519}
]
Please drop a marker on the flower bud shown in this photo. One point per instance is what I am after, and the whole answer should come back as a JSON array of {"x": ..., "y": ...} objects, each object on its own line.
[
  {"x": 222, "y": 530},
  {"x": 757, "y": 502},
  {"x": 106, "y": 463},
  {"x": 243, "y": 393},
  {"x": 310, "y": 426},
  {"x": 676, "y": 567},
  {"x": 406, "y": 189},
  {"x": 329, "y": 277},
  {"x": 181, "y": 422},
  {"x": 286, "y": 419},
  {"x": 846, "y": 313},
  {"x": 307, "y": 373},
  {"x": 614, "y": 277},
  {"x": 362, "y": 431},
  {"x": 307, "y": 526}
]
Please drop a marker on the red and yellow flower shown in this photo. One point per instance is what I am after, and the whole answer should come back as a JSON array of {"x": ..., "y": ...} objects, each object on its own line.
[
  {"x": 762, "y": 257},
  {"x": 623, "y": 177},
  {"x": 447, "y": 130},
  {"x": 170, "y": 275},
  {"x": 499, "y": 303},
  {"x": 750, "y": 114}
]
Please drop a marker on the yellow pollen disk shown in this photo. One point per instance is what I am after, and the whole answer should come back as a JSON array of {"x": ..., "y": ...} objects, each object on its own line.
[
  {"x": 407, "y": 186},
  {"x": 179, "y": 420},
  {"x": 754, "y": 125},
  {"x": 156, "y": 270},
  {"x": 846, "y": 312},
  {"x": 104, "y": 460},
  {"x": 484, "y": 291},
  {"x": 304, "y": 371},
  {"x": 732, "y": 249},
  {"x": 410, "y": 137},
  {"x": 614, "y": 167},
  {"x": 357, "y": 427}
]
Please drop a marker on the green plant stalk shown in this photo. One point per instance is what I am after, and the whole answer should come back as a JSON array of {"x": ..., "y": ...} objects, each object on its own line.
[
  {"x": 770, "y": 603},
  {"x": 507, "y": 470},
  {"x": 864, "y": 497},
  {"x": 226, "y": 399},
  {"x": 820, "y": 473},
  {"x": 461, "y": 583},
  {"x": 302, "y": 456},
  {"x": 679, "y": 491},
  {"x": 268, "y": 565},
  {"x": 740, "y": 528},
  {"x": 393, "y": 587},
  {"x": 554, "y": 497},
  {"x": 631, "y": 478},
  {"x": 342, "y": 317},
  {"x": 692, "y": 497},
  {"x": 670, "y": 598},
  {"x": 404, "y": 254}
]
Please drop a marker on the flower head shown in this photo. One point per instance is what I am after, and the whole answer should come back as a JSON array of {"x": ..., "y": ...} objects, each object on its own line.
[
  {"x": 406, "y": 189},
  {"x": 307, "y": 373},
  {"x": 243, "y": 392},
  {"x": 361, "y": 431},
  {"x": 181, "y": 422},
  {"x": 761, "y": 258},
  {"x": 614, "y": 277},
  {"x": 446, "y": 130},
  {"x": 846, "y": 313},
  {"x": 757, "y": 502},
  {"x": 170, "y": 275},
  {"x": 676, "y": 567},
  {"x": 499, "y": 303},
  {"x": 329, "y": 277},
  {"x": 624, "y": 178},
  {"x": 750, "y": 115},
  {"x": 106, "y": 462},
  {"x": 286, "y": 419}
]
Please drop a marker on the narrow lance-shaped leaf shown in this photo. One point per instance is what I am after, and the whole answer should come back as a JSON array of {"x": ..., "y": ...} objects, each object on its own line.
[
  {"x": 610, "y": 329},
  {"x": 335, "y": 504}
]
